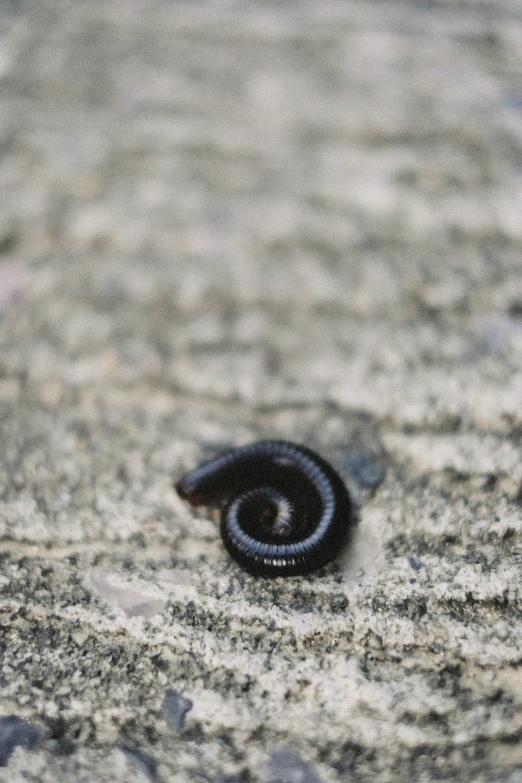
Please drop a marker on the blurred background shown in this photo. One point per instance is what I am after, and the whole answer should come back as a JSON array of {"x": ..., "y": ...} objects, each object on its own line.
[{"x": 261, "y": 201}]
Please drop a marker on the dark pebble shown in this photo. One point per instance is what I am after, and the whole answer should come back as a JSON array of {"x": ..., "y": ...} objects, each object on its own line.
[
  {"x": 175, "y": 709},
  {"x": 515, "y": 309},
  {"x": 285, "y": 766},
  {"x": 415, "y": 564},
  {"x": 16, "y": 731},
  {"x": 365, "y": 470},
  {"x": 142, "y": 761}
]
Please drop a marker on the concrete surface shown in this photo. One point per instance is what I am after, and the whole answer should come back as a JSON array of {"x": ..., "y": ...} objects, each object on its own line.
[{"x": 222, "y": 221}]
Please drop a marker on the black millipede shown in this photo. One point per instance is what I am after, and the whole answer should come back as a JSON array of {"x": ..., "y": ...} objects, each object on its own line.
[{"x": 284, "y": 510}]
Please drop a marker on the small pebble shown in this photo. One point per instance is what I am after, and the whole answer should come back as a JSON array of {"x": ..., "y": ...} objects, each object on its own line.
[
  {"x": 285, "y": 766},
  {"x": 175, "y": 709},
  {"x": 366, "y": 472},
  {"x": 16, "y": 731},
  {"x": 141, "y": 761}
]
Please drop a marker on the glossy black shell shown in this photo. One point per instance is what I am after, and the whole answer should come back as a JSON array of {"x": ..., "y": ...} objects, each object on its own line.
[{"x": 285, "y": 510}]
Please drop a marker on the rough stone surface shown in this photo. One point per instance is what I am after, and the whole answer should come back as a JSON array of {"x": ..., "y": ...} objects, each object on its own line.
[{"x": 222, "y": 221}]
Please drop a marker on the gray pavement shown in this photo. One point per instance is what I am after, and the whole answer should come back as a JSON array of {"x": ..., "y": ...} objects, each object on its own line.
[{"x": 225, "y": 221}]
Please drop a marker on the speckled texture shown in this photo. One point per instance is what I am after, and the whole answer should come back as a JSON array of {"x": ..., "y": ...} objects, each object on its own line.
[{"x": 222, "y": 222}]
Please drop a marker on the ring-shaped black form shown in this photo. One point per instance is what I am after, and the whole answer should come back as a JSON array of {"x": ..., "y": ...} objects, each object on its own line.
[{"x": 284, "y": 510}]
